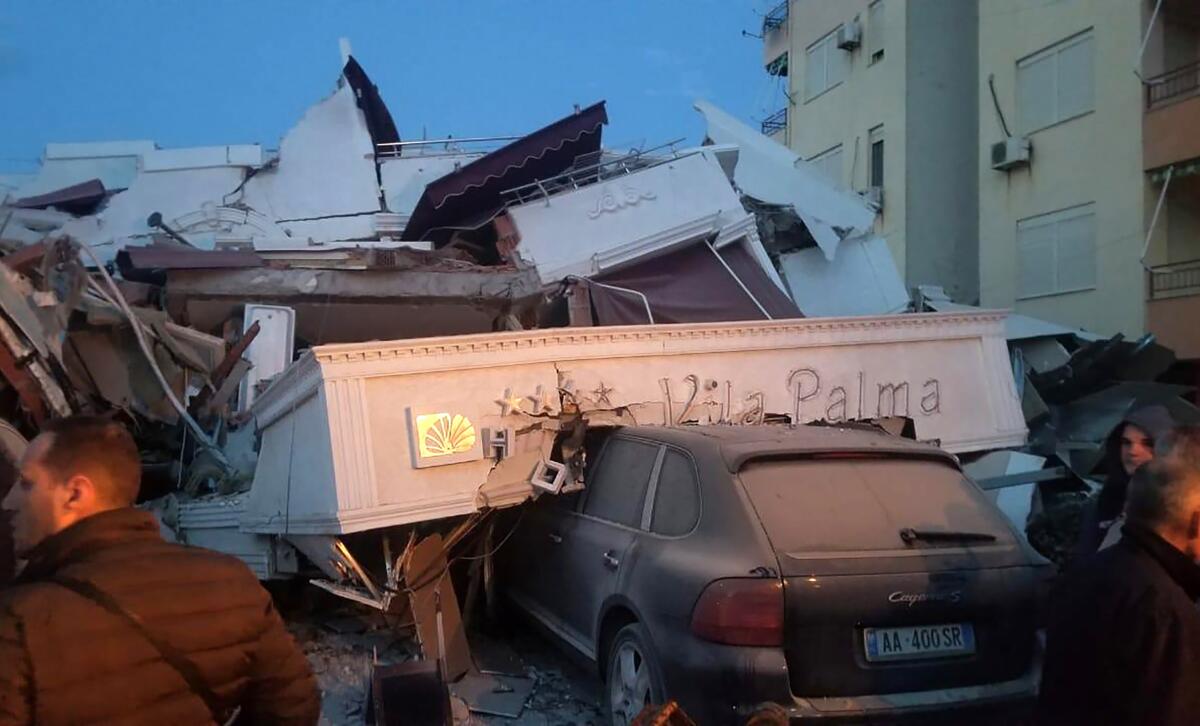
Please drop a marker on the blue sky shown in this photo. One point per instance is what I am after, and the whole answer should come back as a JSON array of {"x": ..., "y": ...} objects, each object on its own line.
[{"x": 219, "y": 71}]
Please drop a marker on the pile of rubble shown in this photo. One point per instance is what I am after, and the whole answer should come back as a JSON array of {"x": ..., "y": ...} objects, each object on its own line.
[{"x": 176, "y": 289}]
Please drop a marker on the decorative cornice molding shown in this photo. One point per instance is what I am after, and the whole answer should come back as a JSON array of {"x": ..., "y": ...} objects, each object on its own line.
[
  {"x": 347, "y": 522},
  {"x": 895, "y": 328}
]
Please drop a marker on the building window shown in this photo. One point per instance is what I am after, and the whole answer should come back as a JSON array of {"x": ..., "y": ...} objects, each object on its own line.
[
  {"x": 779, "y": 66},
  {"x": 1056, "y": 84},
  {"x": 875, "y": 31},
  {"x": 825, "y": 66},
  {"x": 875, "y": 157},
  {"x": 829, "y": 163},
  {"x": 1057, "y": 252}
]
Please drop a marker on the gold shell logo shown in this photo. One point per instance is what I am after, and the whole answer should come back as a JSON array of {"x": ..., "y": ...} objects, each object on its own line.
[{"x": 440, "y": 434}]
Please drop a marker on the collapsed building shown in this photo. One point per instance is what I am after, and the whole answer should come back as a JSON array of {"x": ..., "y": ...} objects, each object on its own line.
[{"x": 340, "y": 357}]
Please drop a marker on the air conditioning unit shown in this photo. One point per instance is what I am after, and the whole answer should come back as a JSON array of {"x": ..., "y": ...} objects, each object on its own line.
[
  {"x": 1011, "y": 153},
  {"x": 849, "y": 36},
  {"x": 873, "y": 196}
]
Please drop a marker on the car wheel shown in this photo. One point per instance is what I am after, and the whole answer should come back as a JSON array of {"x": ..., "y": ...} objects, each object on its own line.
[{"x": 633, "y": 681}]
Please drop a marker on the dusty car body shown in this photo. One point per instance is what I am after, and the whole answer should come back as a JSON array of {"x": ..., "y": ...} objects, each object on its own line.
[{"x": 842, "y": 573}]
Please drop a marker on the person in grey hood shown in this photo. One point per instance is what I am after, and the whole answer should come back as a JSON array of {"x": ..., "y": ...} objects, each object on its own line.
[{"x": 1128, "y": 446}]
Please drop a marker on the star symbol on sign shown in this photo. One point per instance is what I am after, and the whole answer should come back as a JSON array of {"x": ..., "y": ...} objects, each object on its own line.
[
  {"x": 539, "y": 400},
  {"x": 510, "y": 402},
  {"x": 601, "y": 393}
]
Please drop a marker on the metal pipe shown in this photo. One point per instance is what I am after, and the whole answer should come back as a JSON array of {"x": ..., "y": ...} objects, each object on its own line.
[
  {"x": 1146, "y": 38},
  {"x": 451, "y": 140},
  {"x": 136, "y": 324},
  {"x": 1162, "y": 196},
  {"x": 738, "y": 280},
  {"x": 645, "y": 302}
]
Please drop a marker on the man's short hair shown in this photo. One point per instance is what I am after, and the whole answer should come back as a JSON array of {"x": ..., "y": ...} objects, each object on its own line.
[
  {"x": 101, "y": 449},
  {"x": 1160, "y": 490}
]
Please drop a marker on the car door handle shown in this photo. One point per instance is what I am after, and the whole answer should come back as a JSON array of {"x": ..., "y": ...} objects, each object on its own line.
[
  {"x": 611, "y": 562},
  {"x": 555, "y": 538}
]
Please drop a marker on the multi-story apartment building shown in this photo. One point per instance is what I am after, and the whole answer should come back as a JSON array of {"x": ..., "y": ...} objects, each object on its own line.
[
  {"x": 1170, "y": 148},
  {"x": 882, "y": 96},
  {"x": 1084, "y": 146}
]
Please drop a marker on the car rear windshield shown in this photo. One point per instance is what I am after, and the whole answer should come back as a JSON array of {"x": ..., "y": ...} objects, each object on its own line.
[{"x": 855, "y": 504}]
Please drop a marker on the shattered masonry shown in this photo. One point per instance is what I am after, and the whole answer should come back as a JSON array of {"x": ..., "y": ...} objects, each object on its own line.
[{"x": 227, "y": 302}]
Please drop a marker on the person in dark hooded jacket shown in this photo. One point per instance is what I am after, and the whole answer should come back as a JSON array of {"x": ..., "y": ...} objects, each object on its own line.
[
  {"x": 1128, "y": 446},
  {"x": 1123, "y": 630}
]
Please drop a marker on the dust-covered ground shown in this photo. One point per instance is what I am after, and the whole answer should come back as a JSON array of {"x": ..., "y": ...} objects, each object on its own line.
[{"x": 342, "y": 643}]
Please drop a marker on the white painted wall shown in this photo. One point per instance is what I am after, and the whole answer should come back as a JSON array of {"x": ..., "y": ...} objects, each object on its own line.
[
  {"x": 597, "y": 227},
  {"x": 405, "y": 177},
  {"x": 171, "y": 193},
  {"x": 1095, "y": 158},
  {"x": 326, "y": 165},
  {"x": 115, "y": 163}
]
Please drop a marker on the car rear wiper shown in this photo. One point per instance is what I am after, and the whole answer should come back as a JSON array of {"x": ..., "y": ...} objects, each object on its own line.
[{"x": 910, "y": 535}]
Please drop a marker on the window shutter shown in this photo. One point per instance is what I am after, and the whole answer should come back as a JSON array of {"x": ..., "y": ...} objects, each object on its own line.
[
  {"x": 1075, "y": 79},
  {"x": 1076, "y": 263},
  {"x": 1036, "y": 253},
  {"x": 1035, "y": 94}
]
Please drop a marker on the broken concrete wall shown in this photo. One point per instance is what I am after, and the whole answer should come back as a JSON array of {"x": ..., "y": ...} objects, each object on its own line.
[
  {"x": 326, "y": 168},
  {"x": 619, "y": 220},
  {"x": 405, "y": 177},
  {"x": 114, "y": 163},
  {"x": 174, "y": 193}
]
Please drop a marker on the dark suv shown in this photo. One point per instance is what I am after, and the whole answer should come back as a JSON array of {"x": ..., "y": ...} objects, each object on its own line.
[{"x": 846, "y": 574}]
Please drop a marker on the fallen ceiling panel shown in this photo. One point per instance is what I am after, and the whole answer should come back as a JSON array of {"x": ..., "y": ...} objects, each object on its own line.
[
  {"x": 861, "y": 279},
  {"x": 770, "y": 172}
]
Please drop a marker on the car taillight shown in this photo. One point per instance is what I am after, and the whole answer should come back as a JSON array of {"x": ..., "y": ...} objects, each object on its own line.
[{"x": 740, "y": 612}]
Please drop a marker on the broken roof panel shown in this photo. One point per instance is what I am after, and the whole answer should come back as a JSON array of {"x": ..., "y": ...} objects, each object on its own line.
[
  {"x": 326, "y": 170},
  {"x": 1016, "y": 326},
  {"x": 861, "y": 279},
  {"x": 203, "y": 157},
  {"x": 147, "y": 264},
  {"x": 475, "y": 189},
  {"x": 770, "y": 172},
  {"x": 115, "y": 163},
  {"x": 82, "y": 198},
  {"x": 379, "y": 120}
]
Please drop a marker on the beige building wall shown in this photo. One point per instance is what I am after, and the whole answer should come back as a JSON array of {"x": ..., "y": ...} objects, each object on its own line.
[
  {"x": 1094, "y": 158},
  {"x": 871, "y": 95},
  {"x": 922, "y": 95}
]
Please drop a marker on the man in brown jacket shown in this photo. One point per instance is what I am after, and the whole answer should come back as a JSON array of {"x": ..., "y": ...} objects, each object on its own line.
[{"x": 110, "y": 623}]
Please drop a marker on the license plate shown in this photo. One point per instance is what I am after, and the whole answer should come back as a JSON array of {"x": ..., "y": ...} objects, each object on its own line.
[{"x": 922, "y": 641}]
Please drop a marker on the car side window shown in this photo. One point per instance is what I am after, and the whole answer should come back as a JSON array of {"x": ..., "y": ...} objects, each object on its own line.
[
  {"x": 616, "y": 490},
  {"x": 677, "y": 498}
]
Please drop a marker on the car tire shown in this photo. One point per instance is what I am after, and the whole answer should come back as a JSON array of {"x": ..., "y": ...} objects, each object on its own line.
[{"x": 633, "y": 680}]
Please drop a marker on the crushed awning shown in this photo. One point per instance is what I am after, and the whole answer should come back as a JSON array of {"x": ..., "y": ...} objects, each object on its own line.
[
  {"x": 82, "y": 198},
  {"x": 474, "y": 191},
  {"x": 695, "y": 284}
]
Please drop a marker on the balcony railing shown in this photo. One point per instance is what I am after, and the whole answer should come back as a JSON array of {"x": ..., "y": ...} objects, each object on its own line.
[
  {"x": 1182, "y": 81},
  {"x": 775, "y": 123},
  {"x": 1175, "y": 280},
  {"x": 776, "y": 18}
]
